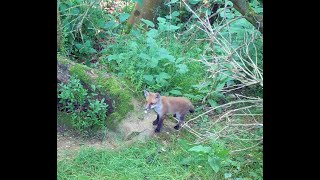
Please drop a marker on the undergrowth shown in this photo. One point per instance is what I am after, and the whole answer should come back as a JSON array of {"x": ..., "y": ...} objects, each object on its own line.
[{"x": 164, "y": 158}]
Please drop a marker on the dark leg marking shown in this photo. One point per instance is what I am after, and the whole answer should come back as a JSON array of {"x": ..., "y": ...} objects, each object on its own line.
[
  {"x": 181, "y": 120},
  {"x": 160, "y": 123},
  {"x": 155, "y": 122}
]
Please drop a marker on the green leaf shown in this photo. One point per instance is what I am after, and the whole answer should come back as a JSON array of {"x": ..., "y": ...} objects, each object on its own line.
[
  {"x": 175, "y": 13},
  {"x": 200, "y": 148},
  {"x": 193, "y": 2},
  {"x": 91, "y": 51},
  {"x": 164, "y": 75},
  {"x": 182, "y": 68},
  {"x": 175, "y": 92},
  {"x": 112, "y": 57},
  {"x": 229, "y": 3},
  {"x": 214, "y": 163},
  {"x": 184, "y": 143},
  {"x": 171, "y": 2},
  {"x": 123, "y": 17},
  {"x": 161, "y": 20},
  {"x": 75, "y": 11},
  {"x": 78, "y": 45},
  {"x": 153, "y": 62},
  {"x": 148, "y": 77},
  {"x": 93, "y": 87},
  {"x": 186, "y": 161},
  {"x": 144, "y": 56},
  {"x": 147, "y": 22},
  {"x": 140, "y": 2},
  {"x": 152, "y": 33},
  {"x": 214, "y": 104},
  {"x": 111, "y": 25},
  {"x": 227, "y": 175}
]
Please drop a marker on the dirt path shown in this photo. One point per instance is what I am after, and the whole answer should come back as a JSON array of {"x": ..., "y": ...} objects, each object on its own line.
[{"x": 136, "y": 127}]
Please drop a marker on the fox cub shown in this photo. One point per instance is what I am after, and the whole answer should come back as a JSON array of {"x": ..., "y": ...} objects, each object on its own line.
[{"x": 163, "y": 105}]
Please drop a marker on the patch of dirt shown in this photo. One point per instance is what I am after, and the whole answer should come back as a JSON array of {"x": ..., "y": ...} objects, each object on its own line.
[{"x": 137, "y": 126}]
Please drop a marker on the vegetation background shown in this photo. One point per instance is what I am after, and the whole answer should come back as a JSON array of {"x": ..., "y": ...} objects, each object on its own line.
[{"x": 210, "y": 51}]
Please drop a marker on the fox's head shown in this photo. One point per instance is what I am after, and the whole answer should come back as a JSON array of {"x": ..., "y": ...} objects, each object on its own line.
[{"x": 152, "y": 99}]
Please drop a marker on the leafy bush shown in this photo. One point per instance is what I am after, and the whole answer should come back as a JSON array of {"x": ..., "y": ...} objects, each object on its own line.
[
  {"x": 86, "y": 111},
  {"x": 84, "y": 26}
]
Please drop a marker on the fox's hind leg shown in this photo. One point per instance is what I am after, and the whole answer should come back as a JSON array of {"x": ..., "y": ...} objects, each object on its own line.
[{"x": 181, "y": 120}]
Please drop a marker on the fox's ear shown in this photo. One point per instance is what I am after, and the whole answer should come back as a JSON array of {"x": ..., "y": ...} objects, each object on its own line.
[
  {"x": 157, "y": 95},
  {"x": 146, "y": 93}
]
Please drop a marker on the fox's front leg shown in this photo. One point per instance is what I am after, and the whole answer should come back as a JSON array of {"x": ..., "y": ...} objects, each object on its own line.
[
  {"x": 155, "y": 122},
  {"x": 160, "y": 123}
]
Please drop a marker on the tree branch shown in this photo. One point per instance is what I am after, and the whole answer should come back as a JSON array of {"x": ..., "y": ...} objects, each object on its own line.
[{"x": 243, "y": 7}]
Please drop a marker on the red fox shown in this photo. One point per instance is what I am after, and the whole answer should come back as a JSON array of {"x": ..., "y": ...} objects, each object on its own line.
[{"x": 163, "y": 105}]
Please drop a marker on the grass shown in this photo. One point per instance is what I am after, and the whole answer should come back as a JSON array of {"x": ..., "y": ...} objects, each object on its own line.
[{"x": 155, "y": 159}]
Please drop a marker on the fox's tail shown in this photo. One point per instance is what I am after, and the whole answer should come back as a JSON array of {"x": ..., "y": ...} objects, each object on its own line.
[{"x": 191, "y": 110}]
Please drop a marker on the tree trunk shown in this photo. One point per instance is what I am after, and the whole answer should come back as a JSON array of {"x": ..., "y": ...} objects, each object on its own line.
[
  {"x": 243, "y": 7},
  {"x": 146, "y": 11},
  {"x": 121, "y": 97}
]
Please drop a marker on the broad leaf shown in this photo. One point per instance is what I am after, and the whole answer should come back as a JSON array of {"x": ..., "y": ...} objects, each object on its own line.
[
  {"x": 147, "y": 22},
  {"x": 214, "y": 163},
  {"x": 175, "y": 92},
  {"x": 200, "y": 148},
  {"x": 123, "y": 17},
  {"x": 182, "y": 68},
  {"x": 148, "y": 77},
  {"x": 186, "y": 161},
  {"x": 152, "y": 33}
]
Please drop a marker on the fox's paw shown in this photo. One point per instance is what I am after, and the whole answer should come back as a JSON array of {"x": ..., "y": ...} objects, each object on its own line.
[
  {"x": 157, "y": 130},
  {"x": 155, "y": 122}
]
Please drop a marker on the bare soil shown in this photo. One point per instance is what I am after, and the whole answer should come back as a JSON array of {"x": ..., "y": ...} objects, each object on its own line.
[{"x": 137, "y": 126}]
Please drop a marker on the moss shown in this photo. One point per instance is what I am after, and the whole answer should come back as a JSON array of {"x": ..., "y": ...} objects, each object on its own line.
[
  {"x": 62, "y": 59},
  {"x": 81, "y": 72},
  {"x": 108, "y": 85},
  {"x": 122, "y": 98}
]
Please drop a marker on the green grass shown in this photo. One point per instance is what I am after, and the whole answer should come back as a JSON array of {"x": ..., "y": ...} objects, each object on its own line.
[{"x": 151, "y": 160}]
